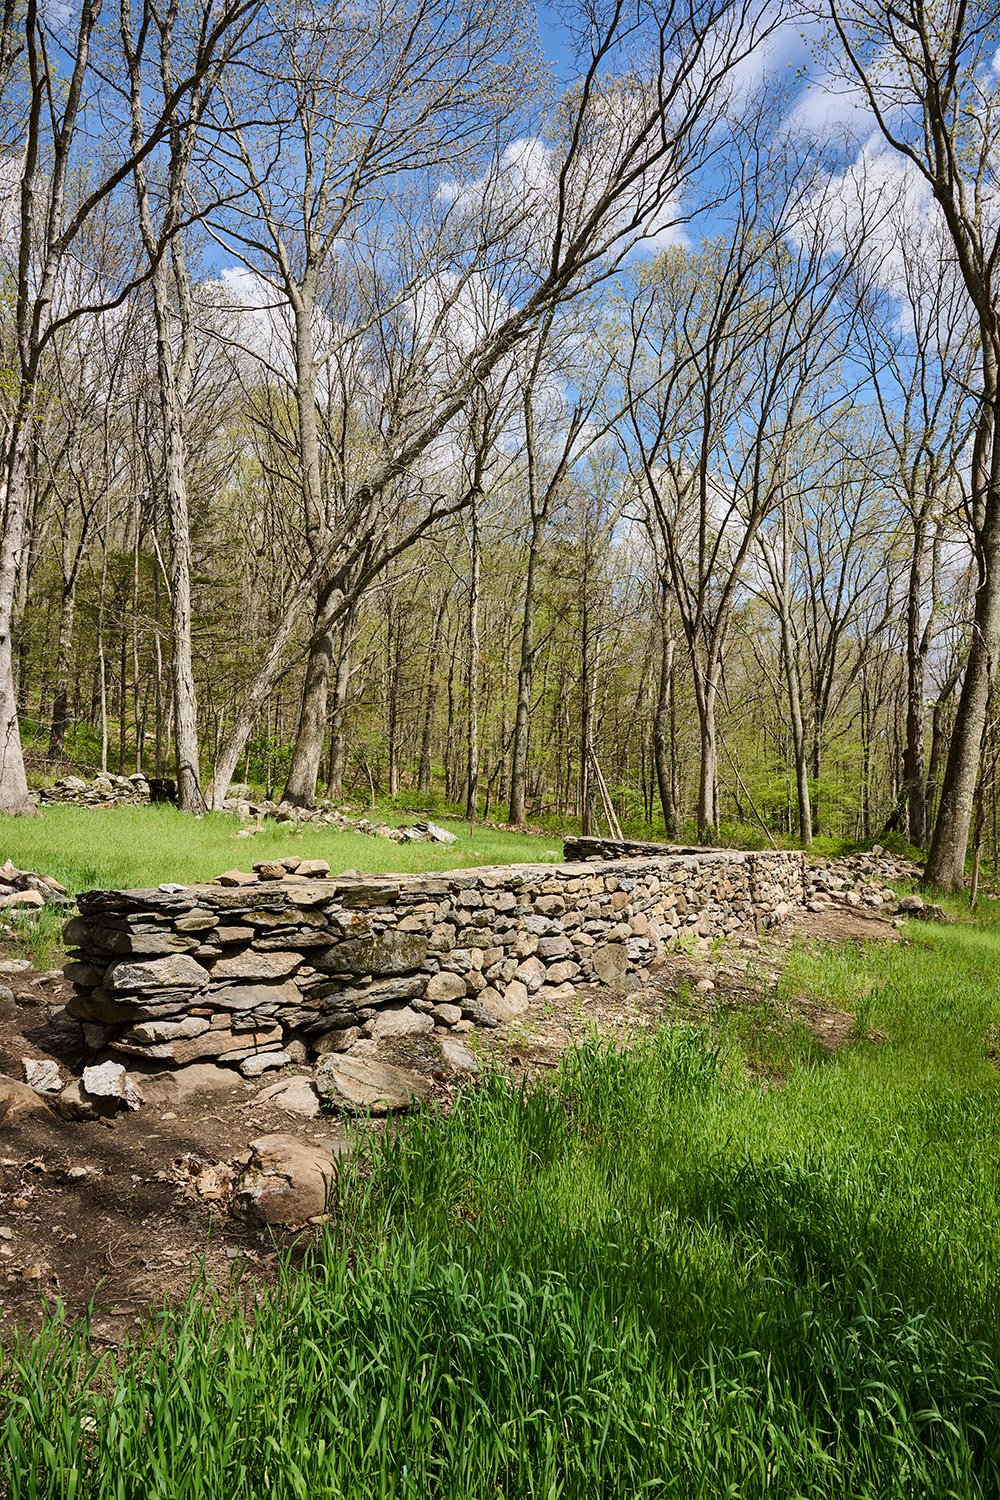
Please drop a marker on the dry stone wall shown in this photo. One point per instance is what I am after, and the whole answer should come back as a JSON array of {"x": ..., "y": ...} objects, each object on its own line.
[{"x": 240, "y": 973}]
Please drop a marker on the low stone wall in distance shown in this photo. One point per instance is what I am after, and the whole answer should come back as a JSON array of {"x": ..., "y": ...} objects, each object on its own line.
[{"x": 235, "y": 972}]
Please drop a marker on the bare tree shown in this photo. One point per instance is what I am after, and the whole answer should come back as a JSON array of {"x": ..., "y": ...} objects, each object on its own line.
[
  {"x": 600, "y": 180},
  {"x": 55, "y": 202},
  {"x": 926, "y": 75}
]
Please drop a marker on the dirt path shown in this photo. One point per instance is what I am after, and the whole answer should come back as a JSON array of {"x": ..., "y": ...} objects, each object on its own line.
[{"x": 121, "y": 1215}]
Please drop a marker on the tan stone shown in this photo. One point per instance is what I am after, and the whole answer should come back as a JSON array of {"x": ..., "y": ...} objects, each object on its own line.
[{"x": 445, "y": 987}]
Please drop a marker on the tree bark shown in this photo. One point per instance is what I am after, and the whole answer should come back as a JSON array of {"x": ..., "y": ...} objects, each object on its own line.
[
  {"x": 430, "y": 701},
  {"x": 946, "y": 859},
  {"x": 913, "y": 754},
  {"x": 14, "y": 797}
]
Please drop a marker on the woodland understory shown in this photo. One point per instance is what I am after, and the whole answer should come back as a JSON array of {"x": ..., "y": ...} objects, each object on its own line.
[{"x": 388, "y": 414}]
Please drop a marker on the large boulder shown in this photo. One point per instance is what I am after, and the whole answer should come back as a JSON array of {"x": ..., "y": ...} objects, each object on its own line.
[{"x": 286, "y": 1181}]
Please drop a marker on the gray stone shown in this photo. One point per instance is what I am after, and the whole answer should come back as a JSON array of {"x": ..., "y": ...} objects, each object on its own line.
[
  {"x": 263, "y": 1062},
  {"x": 336, "y": 1041},
  {"x": 559, "y": 973},
  {"x": 474, "y": 1009},
  {"x": 456, "y": 1055},
  {"x": 910, "y": 903},
  {"x": 440, "y": 835},
  {"x": 296, "y": 1095},
  {"x": 252, "y": 996},
  {"x": 398, "y": 1020},
  {"x": 447, "y": 1015},
  {"x": 109, "y": 1080},
  {"x": 611, "y": 963},
  {"x": 516, "y": 998},
  {"x": 389, "y": 953},
  {"x": 254, "y": 965},
  {"x": 164, "y": 1090},
  {"x": 42, "y": 1076},
  {"x": 362, "y": 1084},
  {"x": 554, "y": 947},
  {"x": 166, "y": 1031},
  {"x": 175, "y": 969}
]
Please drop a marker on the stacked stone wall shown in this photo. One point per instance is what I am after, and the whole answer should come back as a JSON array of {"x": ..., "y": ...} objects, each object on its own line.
[{"x": 177, "y": 975}]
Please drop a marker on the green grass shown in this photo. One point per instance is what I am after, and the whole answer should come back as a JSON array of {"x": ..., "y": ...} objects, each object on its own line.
[
  {"x": 648, "y": 1277},
  {"x": 135, "y": 847}
]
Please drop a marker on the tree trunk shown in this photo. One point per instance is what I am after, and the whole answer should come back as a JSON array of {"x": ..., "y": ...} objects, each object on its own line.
[
  {"x": 662, "y": 759},
  {"x": 13, "y": 781},
  {"x": 60, "y": 697},
  {"x": 705, "y": 689},
  {"x": 430, "y": 701},
  {"x": 472, "y": 794},
  {"x": 303, "y": 773},
  {"x": 799, "y": 748},
  {"x": 946, "y": 860},
  {"x": 913, "y": 753}
]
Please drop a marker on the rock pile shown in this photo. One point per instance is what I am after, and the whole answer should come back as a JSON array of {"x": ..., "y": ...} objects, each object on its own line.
[
  {"x": 107, "y": 790},
  {"x": 23, "y": 890},
  {"x": 266, "y": 966},
  {"x": 326, "y": 815}
]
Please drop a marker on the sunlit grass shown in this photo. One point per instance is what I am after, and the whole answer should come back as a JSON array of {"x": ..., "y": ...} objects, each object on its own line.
[
  {"x": 648, "y": 1275},
  {"x": 137, "y": 847}
]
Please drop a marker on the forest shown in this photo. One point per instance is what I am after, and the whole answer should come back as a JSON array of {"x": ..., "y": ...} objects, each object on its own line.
[{"x": 571, "y": 423}]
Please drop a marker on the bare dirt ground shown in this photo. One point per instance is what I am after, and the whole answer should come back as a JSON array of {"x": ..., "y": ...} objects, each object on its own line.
[{"x": 109, "y": 1215}]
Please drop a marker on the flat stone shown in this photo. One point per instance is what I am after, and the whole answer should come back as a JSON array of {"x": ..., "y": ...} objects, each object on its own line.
[
  {"x": 296, "y": 1095},
  {"x": 399, "y": 1020},
  {"x": 214, "y": 1043},
  {"x": 362, "y": 1084},
  {"x": 145, "y": 944},
  {"x": 239, "y": 997},
  {"x": 389, "y": 953},
  {"x": 253, "y": 964},
  {"x": 162, "y": 1089},
  {"x": 440, "y": 835},
  {"x": 263, "y": 1062},
  {"x": 83, "y": 974},
  {"x": 175, "y": 969},
  {"x": 23, "y": 898},
  {"x": 235, "y": 877},
  {"x": 166, "y": 1031}
]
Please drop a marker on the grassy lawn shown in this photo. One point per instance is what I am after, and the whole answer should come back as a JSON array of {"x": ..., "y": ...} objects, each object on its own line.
[
  {"x": 651, "y": 1276},
  {"x": 134, "y": 847}
]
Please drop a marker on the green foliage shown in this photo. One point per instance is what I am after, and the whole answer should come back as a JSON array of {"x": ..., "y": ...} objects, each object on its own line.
[{"x": 784, "y": 1293}]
